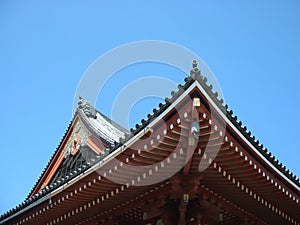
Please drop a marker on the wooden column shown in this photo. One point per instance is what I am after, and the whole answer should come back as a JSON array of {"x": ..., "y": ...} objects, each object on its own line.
[
  {"x": 170, "y": 214},
  {"x": 182, "y": 213},
  {"x": 184, "y": 190}
]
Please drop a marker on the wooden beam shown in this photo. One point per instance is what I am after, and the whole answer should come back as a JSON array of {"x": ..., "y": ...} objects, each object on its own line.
[{"x": 191, "y": 143}]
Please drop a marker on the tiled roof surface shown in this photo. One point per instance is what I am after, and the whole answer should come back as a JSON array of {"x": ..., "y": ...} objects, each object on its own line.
[
  {"x": 188, "y": 81},
  {"x": 73, "y": 164}
]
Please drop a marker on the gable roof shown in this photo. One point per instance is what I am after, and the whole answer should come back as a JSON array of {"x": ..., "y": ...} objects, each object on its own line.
[
  {"x": 196, "y": 76},
  {"x": 96, "y": 122}
]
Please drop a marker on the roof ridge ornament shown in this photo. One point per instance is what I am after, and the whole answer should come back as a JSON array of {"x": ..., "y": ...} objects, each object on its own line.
[
  {"x": 87, "y": 109},
  {"x": 195, "y": 73}
]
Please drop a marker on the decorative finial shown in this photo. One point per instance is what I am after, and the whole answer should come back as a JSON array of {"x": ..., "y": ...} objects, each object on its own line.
[
  {"x": 195, "y": 72},
  {"x": 195, "y": 63}
]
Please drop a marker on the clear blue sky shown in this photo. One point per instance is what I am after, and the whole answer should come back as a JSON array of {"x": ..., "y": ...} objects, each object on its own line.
[{"x": 252, "y": 47}]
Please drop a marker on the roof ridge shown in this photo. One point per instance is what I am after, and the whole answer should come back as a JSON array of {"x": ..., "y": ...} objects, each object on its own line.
[{"x": 91, "y": 111}]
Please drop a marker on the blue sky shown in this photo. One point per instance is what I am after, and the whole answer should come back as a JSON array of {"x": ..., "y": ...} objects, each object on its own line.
[{"x": 252, "y": 47}]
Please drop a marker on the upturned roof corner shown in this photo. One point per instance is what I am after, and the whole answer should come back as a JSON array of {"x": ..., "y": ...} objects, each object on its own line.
[{"x": 88, "y": 110}]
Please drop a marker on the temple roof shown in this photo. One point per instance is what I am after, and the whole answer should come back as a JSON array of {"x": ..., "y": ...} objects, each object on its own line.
[
  {"x": 113, "y": 135},
  {"x": 195, "y": 75},
  {"x": 104, "y": 128}
]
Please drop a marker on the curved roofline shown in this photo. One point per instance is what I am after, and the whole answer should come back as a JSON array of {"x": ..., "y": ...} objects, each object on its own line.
[{"x": 190, "y": 82}]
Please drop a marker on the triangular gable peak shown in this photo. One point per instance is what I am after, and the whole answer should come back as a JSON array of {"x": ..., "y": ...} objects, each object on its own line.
[
  {"x": 90, "y": 136},
  {"x": 196, "y": 85}
]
